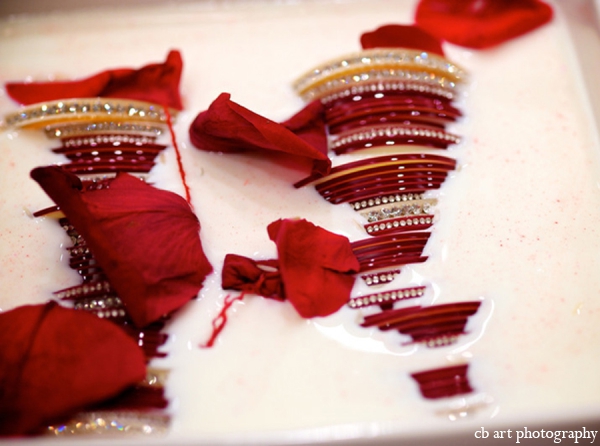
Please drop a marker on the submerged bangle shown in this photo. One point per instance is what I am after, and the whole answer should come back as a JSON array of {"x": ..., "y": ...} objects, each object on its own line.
[{"x": 443, "y": 382}]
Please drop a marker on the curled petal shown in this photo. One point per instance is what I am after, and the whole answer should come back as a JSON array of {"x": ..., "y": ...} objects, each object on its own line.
[
  {"x": 157, "y": 83},
  {"x": 481, "y": 23},
  {"x": 56, "y": 361},
  {"x": 229, "y": 127},
  {"x": 316, "y": 266},
  {"x": 145, "y": 239}
]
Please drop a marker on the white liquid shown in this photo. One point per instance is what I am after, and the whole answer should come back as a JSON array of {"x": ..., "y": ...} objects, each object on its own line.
[{"x": 517, "y": 223}]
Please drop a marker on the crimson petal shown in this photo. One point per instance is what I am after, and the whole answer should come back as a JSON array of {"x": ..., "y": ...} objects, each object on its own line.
[
  {"x": 229, "y": 127},
  {"x": 401, "y": 36},
  {"x": 316, "y": 266},
  {"x": 260, "y": 277},
  {"x": 146, "y": 240},
  {"x": 481, "y": 23},
  {"x": 157, "y": 83},
  {"x": 55, "y": 361}
]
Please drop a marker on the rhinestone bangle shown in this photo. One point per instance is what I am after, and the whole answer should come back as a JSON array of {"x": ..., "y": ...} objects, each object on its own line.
[
  {"x": 102, "y": 128},
  {"x": 378, "y": 136},
  {"x": 399, "y": 224},
  {"x": 379, "y": 59},
  {"x": 344, "y": 91},
  {"x": 382, "y": 209},
  {"x": 369, "y": 77},
  {"x": 86, "y": 110},
  {"x": 386, "y": 297},
  {"x": 379, "y": 278},
  {"x": 109, "y": 139}
]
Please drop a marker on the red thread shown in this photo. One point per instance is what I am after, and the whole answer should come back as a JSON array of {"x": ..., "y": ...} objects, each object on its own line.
[
  {"x": 188, "y": 196},
  {"x": 219, "y": 322}
]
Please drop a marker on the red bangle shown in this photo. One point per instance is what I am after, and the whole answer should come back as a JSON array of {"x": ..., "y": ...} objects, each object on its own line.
[
  {"x": 375, "y": 173},
  {"x": 116, "y": 148},
  {"x": 399, "y": 160},
  {"x": 384, "y": 240},
  {"x": 360, "y": 111},
  {"x": 443, "y": 382},
  {"x": 434, "y": 326},
  {"x": 391, "y": 261},
  {"x": 383, "y": 185}
]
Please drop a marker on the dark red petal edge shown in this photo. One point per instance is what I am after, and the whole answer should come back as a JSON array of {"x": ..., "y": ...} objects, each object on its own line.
[
  {"x": 56, "y": 361},
  {"x": 229, "y": 127},
  {"x": 157, "y": 83},
  {"x": 481, "y": 24},
  {"x": 401, "y": 36}
]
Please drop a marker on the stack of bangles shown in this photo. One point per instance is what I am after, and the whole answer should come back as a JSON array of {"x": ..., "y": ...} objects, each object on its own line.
[
  {"x": 101, "y": 137},
  {"x": 387, "y": 110},
  {"x": 400, "y": 101}
]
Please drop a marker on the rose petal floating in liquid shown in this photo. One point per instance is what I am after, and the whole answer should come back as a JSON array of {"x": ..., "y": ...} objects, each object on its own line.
[
  {"x": 55, "y": 361},
  {"x": 145, "y": 239},
  {"x": 157, "y": 83}
]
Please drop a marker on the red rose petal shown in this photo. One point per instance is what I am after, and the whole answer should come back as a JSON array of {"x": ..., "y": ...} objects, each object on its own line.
[
  {"x": 401, "y": 36},
  {"x": 146, "y": 240},
  {"x": 228, "y": 127},
  {"x": 481, "y": 23},
  {"x": 309, "y": 124},
  {"x": 157, "y": 83},
  {"x": 55, "y": 361},
  {"x": 258, "y": 277},
  {"x": 315, "y": 265}
]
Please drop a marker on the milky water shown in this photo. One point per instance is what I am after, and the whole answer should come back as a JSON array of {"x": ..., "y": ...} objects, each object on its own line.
[{"x": 516, "y": 222}]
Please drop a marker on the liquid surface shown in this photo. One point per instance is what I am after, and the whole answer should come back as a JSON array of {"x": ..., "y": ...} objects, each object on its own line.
[{"x": 516, "y": 223}]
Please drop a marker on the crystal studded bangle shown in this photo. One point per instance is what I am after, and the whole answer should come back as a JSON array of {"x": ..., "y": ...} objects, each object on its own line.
[
  {"x": 382, "y": 60},
  {"x": 386, "y": 297},
  {"x": 385, "y": 84},
  {"x": 82, "y": 110},
  {"x": 396, "y": 134}
]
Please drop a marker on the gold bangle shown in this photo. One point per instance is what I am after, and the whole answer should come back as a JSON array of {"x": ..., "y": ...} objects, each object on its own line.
[{"x": 380, "y": 59}]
